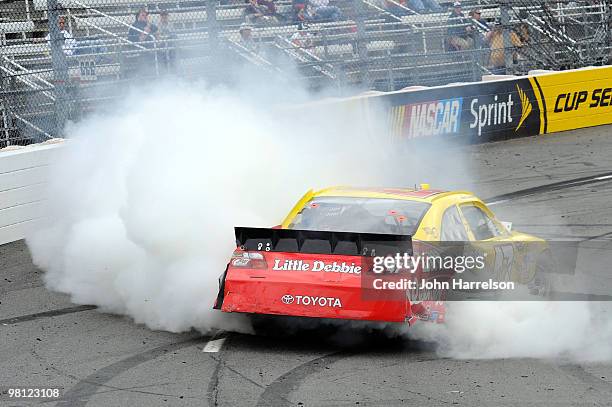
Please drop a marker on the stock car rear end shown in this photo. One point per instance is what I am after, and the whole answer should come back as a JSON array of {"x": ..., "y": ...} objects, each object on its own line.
[
  {"x": 307, "y": 273},
  {"x": 314, "y": 263}
]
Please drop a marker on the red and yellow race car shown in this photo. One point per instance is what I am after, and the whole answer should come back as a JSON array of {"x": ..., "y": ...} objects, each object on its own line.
[{"x": 314, "y": 264}]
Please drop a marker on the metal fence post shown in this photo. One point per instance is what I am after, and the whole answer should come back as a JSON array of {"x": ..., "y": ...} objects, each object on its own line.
[
  {"x": 6, "y": 113},
  {"x": 508, "y": 46},
  {"x": 390, "y": 78},
  {"x": 607, "y": 22},
  {"x": 213, "y": 24},
  {"x": 477, "y": 54},
  {"x": 362, "y": 50},
  {"x": 213, "y": 40},
  {"x": 60, "y": 67}
]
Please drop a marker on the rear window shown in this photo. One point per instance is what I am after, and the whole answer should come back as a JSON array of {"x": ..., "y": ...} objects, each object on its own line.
[{"x": 363, "y": 215}]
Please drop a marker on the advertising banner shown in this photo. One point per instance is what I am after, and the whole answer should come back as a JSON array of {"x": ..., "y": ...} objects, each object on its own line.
[
  {"x": 574, "y": 99},
  {"x": 504, "y": 109},
  {"x": 484, "y": 111}
]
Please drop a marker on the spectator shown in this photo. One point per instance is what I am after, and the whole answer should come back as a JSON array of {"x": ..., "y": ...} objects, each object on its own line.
[
  {"x": 322, "y": 11},
  {"x": 495, "y": 39},
  {"x": 167, "y": 42},
  {"x": 476, "y": 15},
  {"x": 302, "y": 38},
  {"x": 481, "y": 28},
  {"x": 271, "y": 9},
  {"x": 70, "y": 43},
  {"x": 164, "y": 31},
  {"x": 246, "y": 38},
  {"x": 142, "y": 30},
  {"x": 304, "y": 15},
  {"x": 459, "y": 31},
  {"x": 260, "y": 11},
  {"x": 300, "y": 13}
]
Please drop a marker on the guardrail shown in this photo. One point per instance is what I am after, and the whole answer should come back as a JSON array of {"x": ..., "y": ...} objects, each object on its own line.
[
  {"x": 23, "y": 177},
  {"x": 511, "y": 107}
]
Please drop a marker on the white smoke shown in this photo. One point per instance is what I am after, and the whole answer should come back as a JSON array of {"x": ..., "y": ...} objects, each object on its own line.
[
  {"x": 144, "y": 198},
  {"x": 576, "y": 331}
]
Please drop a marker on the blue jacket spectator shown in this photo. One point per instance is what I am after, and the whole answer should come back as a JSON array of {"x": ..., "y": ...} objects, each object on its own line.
[{"x": 140, "y": 24}]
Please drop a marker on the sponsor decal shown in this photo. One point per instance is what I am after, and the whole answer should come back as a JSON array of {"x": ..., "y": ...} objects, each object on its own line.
[
  {"x": 501, "y": 113},
  {"x": 520, "y": 107},
  {"x": 316, "y": 266},
  {"x": 575, "y": 99},
  {"x": 309, "y": 300},
  {"x": 491, "y": 114},
  {"x": 526, "y": 107},
  {"x": 241, "y": 262},
  {"x": 485, "y": 111},
  {"x": 568, "y": 102},
  {"x": 601, "y": 98},
  {"x": 433, "y": 118}
]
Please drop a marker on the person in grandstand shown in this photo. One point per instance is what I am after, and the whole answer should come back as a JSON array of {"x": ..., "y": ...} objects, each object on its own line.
[
  {"x": 167, "y": 42},
  {"x": 70, "y": 43},
  {"x": 300, "y": 12},
  {"x": 322, "y": 11},
  {"x": 298, "y": 4},
  {"x": 142, "y": 30},
  {"x": 246, "y": 38},
  {"x": 495, "y": 39},
  {"x": 164, "y": 29},
  {"x": 481, "y": 28},
  {"x": 460, "y": 30},
  {"x": 260, "y": 12},
  {"x": 476, "y": 15}
]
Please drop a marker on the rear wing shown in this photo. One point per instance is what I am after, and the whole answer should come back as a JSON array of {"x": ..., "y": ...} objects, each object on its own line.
[{"x": 322, "y": 242}]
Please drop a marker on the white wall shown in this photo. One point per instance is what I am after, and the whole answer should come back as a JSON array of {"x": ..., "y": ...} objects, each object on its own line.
[{"x": 23, "y": 177}]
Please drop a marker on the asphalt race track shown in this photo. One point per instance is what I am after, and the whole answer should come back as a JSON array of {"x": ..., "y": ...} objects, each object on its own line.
[{"x": 105, "y": 360}]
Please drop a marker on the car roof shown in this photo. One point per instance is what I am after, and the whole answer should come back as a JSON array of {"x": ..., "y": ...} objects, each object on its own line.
[{"x": 408, "y": 194}]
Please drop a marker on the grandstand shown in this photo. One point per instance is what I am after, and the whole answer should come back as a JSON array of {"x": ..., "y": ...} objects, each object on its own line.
[{"x": 370, "y": 47}]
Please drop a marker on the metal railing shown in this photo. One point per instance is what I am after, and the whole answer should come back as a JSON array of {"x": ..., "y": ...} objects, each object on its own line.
[{"x": 353, "y": 46}]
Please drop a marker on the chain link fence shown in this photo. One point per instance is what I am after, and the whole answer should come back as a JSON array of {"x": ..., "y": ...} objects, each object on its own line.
[{"x": 62, "y": 59}]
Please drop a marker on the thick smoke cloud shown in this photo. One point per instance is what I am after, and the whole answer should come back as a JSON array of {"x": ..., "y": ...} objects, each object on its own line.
[
  {"x": 144, "y": 198},
  {"x": 575, "y": 331}
]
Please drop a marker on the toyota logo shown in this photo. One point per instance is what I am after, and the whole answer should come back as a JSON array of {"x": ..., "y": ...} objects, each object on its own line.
[{"x": 287, "y": 299}]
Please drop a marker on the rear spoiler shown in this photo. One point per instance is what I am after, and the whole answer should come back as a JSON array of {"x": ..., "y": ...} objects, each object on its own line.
[{"x": 322, "y": 242}]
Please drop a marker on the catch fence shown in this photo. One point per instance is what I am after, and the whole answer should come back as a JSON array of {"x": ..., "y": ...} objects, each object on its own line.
[{"x": 63, "y": 59}]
